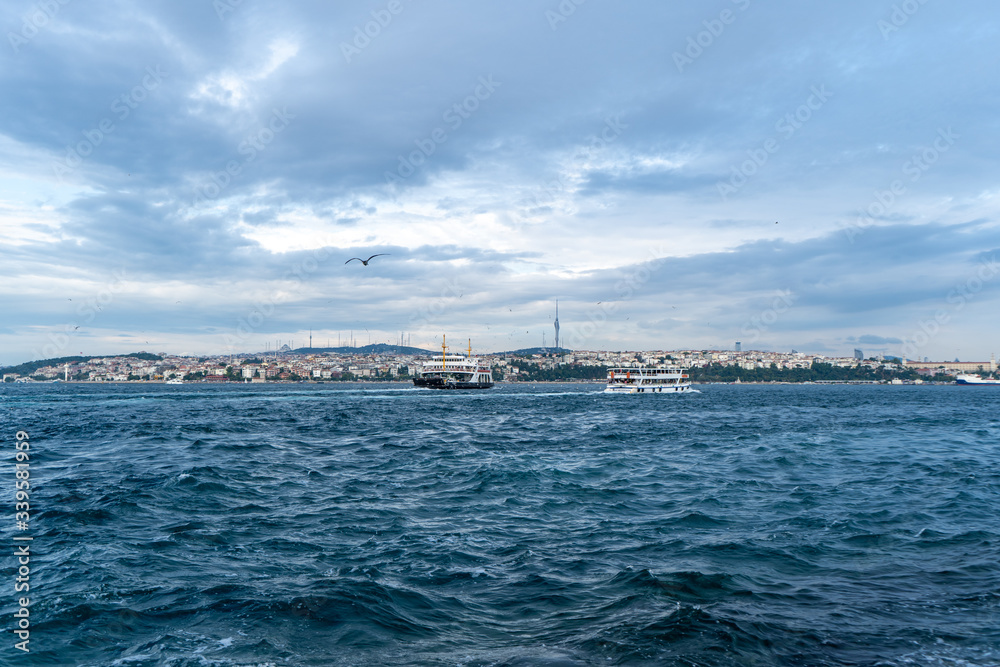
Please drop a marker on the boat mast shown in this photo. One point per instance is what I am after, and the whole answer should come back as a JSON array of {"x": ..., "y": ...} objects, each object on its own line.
[{"x": 444, "y": 349}]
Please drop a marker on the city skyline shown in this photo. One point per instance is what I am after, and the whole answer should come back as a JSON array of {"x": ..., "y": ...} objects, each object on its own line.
[
  {"x": 349, "y": 364},
  {"x": 284, "y": 350},
  {"x": 195, "y": 178}
]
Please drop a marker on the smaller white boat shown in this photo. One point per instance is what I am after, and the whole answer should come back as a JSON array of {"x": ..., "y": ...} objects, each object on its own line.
[
  {"x": 965, "y": 378},
  {"x": 646, "y": 380},
  {"x": 174, "y": 381}
]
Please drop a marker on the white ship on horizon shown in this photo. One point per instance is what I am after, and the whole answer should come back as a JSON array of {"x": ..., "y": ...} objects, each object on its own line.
[{"x": 968, "y": 379}]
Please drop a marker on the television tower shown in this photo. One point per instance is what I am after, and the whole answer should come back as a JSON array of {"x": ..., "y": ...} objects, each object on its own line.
[{"x": 557, "y": 324}]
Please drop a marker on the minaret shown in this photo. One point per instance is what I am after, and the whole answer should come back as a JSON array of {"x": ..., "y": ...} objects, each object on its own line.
[{"x": 557, "y": 324}]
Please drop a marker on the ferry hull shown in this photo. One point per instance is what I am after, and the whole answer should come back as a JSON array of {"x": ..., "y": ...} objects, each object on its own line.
[
  {"x": 679, "y": 389},
  {"x": 439, "y": 383}
]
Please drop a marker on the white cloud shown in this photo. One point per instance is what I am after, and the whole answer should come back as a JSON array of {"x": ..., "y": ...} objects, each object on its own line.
[
  {"x": 236, "y": 89},
  {"x": 518, "y": 201}
]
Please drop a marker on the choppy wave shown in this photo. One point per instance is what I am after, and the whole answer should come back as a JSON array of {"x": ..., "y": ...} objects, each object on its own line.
[{"x": 533, "y": 525}]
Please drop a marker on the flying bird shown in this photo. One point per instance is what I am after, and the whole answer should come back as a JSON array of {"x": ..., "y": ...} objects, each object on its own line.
[{"x": 365, "y": 261}]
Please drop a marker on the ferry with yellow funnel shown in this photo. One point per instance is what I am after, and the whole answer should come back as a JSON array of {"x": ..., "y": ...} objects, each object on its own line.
[
  {"x": 455, "y": 371},
  {"x": 648, "y": 380}
]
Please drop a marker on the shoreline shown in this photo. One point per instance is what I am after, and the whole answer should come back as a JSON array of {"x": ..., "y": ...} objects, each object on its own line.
[{"x": 498, "y": 383}]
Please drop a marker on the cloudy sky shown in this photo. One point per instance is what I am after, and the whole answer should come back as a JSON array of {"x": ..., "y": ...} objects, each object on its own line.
[{"x": 190, "y": 176}]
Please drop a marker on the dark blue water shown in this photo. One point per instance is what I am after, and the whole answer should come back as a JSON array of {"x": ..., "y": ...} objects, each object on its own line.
[{"x": 525, "y": 525}]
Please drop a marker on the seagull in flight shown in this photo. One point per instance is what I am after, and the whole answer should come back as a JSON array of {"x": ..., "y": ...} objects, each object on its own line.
[{"x": 365, "y": 261}]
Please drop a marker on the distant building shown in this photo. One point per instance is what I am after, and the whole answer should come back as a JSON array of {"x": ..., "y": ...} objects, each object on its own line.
[
  {"x": 739, "y": 346},
  {"x": 859, "y": 355},
  {"x": 951, "y": 366},
  {"x": 557, "y": 324}
]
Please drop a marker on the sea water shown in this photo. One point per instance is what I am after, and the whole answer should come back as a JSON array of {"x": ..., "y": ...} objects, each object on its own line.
[{"x": 348, "y": 524}]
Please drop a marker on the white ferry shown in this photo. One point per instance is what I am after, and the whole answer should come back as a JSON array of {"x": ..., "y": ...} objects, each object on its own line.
[
  {"x": 454, "y": 371},
  {"x": 647, "y": 380},
  {"x": 964, "y": 378}
]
